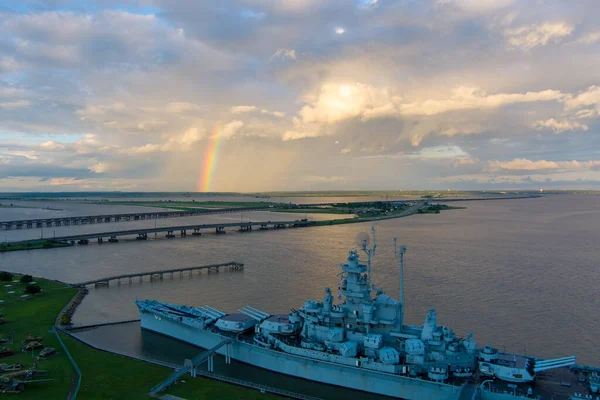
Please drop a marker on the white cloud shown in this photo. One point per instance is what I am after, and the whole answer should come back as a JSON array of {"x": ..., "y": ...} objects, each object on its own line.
[
  {"x": 469, "y": 98},
  {"x": 523, "y": 164},
  {"x": 278, "y": 114},
  {"x": 231, "y": 129},
  {"x": 15, "y": 104},
  {"x": 51, "y": 146},
  {"x": 184, "y": 141},
  {"x": 145, "y": 149},
  {"x": 589, "y": 38},
  {"x": 99, "y": 167},
  {"x": 289, "y": 54},
  {"x": 529, "y": 36},
  {"x": 181, "y": 107},
  {"x": 242, "y": 109},
  {"x": 436, "y": 152},
  {"x": 465, "y": 160},
  {"x": 63, "y": 181},
  {"x": 586, "y": 113},
  {"x": 588, "y": 97},
  {"x": 476, "y": 6},
  {"x": 295, "y": 135},
  {"x": 560, "y": 126},
  {"x": 336, "y": 102}
]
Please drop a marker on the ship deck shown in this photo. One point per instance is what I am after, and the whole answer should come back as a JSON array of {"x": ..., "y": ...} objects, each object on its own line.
[{"x": 559, "y": 383}]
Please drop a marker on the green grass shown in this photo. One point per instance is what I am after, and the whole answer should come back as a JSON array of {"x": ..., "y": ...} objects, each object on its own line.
[
  {"x": 35, "y": 315},
  {"x": 108, "y": 376},
  {"x": 333, "y": 210},
  {"x": 39, "y": 244},
  {"x": 190, "y": 205},
  {"x": 104, "y": 375}
]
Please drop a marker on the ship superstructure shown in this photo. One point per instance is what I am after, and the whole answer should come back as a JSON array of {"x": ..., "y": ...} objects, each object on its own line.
[{"x": 360, "y": 342}]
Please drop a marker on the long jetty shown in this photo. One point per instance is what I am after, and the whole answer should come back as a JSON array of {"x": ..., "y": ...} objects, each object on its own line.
[
  {"x": 142, "y": 233},
  {"x": 159, "y": 274},
  {"x": 99, "y": 219}
]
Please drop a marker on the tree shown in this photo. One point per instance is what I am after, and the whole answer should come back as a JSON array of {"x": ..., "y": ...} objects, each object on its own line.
[
  {"x": 33, "y": 289},
  {"x": 6, "y": 276},
  {"x": 26, "y": 279}
]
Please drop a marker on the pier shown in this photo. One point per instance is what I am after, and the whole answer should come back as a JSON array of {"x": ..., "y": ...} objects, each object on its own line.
[
  {"x": 142, "y": 233},
  {"x": 160, "y": 274},
  {"x": 190, "y": 365}
]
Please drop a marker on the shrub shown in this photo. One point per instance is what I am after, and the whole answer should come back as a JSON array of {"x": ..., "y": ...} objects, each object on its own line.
[
  {"x": 26, "y": 279},
  {"x": 33, "y": 289},
  {"x": 6, "y": 276}
]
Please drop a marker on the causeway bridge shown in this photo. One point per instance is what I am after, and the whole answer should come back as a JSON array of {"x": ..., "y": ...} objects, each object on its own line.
[
  {"x": 196, "y": 230},
  {"x": 159, "y": 275},
  {"x": 99, "y": 219}
]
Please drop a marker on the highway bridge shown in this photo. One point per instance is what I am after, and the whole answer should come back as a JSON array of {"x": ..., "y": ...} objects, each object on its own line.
[
  {"x": 196, "y": 230},
  {"x": 140, "y": 216},
  {"x": 99, "y": 219}
]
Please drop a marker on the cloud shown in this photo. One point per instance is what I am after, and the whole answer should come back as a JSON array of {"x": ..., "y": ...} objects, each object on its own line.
[
  {"x": 278, "y": 114},
  {"x": 476, "y": 6},
  {"x": 289, "y": 54},
  {"x": 588, "y": 97},
  {"x": 181, "y": 107},
  {"x": 560, "y": 126},
  {"x": 336, "y": 102},
  {"x": 523, "y": 164},
  {"x": 242, "y": 109},
  {"x": 231, "y": 129},
  {"x": 122, "y": 97},
  {"x": 465, "y": 160},
  {"x": 589, "y": 38},
  {"x": 100, "y": 167},
  {"x": 529, "y": 36},
  {"x": 51, "y": 146},
  {"x": 15, "y": 104},
  {"x": 63, "y": 181},
  {"x": 586, "y": 113},
  {"x": 295, "y": 135}
]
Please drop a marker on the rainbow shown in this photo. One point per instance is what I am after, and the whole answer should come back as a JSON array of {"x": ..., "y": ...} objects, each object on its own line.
[{"x": 209, "y": 160}]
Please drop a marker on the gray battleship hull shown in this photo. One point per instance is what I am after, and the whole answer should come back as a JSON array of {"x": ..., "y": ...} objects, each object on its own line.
[{"x": 306, "y": 368}]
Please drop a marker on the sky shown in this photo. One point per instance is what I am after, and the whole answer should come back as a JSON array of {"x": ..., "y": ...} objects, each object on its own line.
[{"x": 275, "y": 95}]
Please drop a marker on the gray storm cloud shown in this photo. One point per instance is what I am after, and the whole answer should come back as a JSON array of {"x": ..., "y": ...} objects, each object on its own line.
[{"x": 307, "y": 95}]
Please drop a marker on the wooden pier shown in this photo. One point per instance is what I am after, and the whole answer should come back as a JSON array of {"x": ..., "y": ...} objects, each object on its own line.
[{"x": 159, "y": 275}]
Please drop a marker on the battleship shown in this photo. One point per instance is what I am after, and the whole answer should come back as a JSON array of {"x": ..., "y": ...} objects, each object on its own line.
[{"x": 362, "y": 343}]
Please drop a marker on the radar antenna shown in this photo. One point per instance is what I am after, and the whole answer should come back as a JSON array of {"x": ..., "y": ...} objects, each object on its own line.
[
  {"x": 363, "y": 241},
  {"x": 399, "y": 254}
]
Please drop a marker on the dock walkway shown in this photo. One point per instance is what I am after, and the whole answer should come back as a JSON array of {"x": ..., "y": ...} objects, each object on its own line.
[
  {"x": 190, "y": 367},
  {"x": 159, "y": 274}
]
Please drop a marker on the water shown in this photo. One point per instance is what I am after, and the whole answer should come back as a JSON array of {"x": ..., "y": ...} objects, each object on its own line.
[{"x": 519, "y": 273}]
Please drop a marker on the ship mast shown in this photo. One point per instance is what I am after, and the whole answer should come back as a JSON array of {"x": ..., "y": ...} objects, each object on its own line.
[
  {"x": 370, "y": 252},
  {"x": 399, "y": 253}
]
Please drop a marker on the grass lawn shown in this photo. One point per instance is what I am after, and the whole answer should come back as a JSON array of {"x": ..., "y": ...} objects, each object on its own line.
[
  {"x": 104, "y": 375},
  {"x": 190, "y": 205},
  {"x": 333, "y": 210},
  {"x": 35, "y": 315},
  {"x": 40, "y": 244}
]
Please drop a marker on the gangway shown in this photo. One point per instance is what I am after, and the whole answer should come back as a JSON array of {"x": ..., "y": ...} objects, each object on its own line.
[{"x": 190, "y": 366}]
